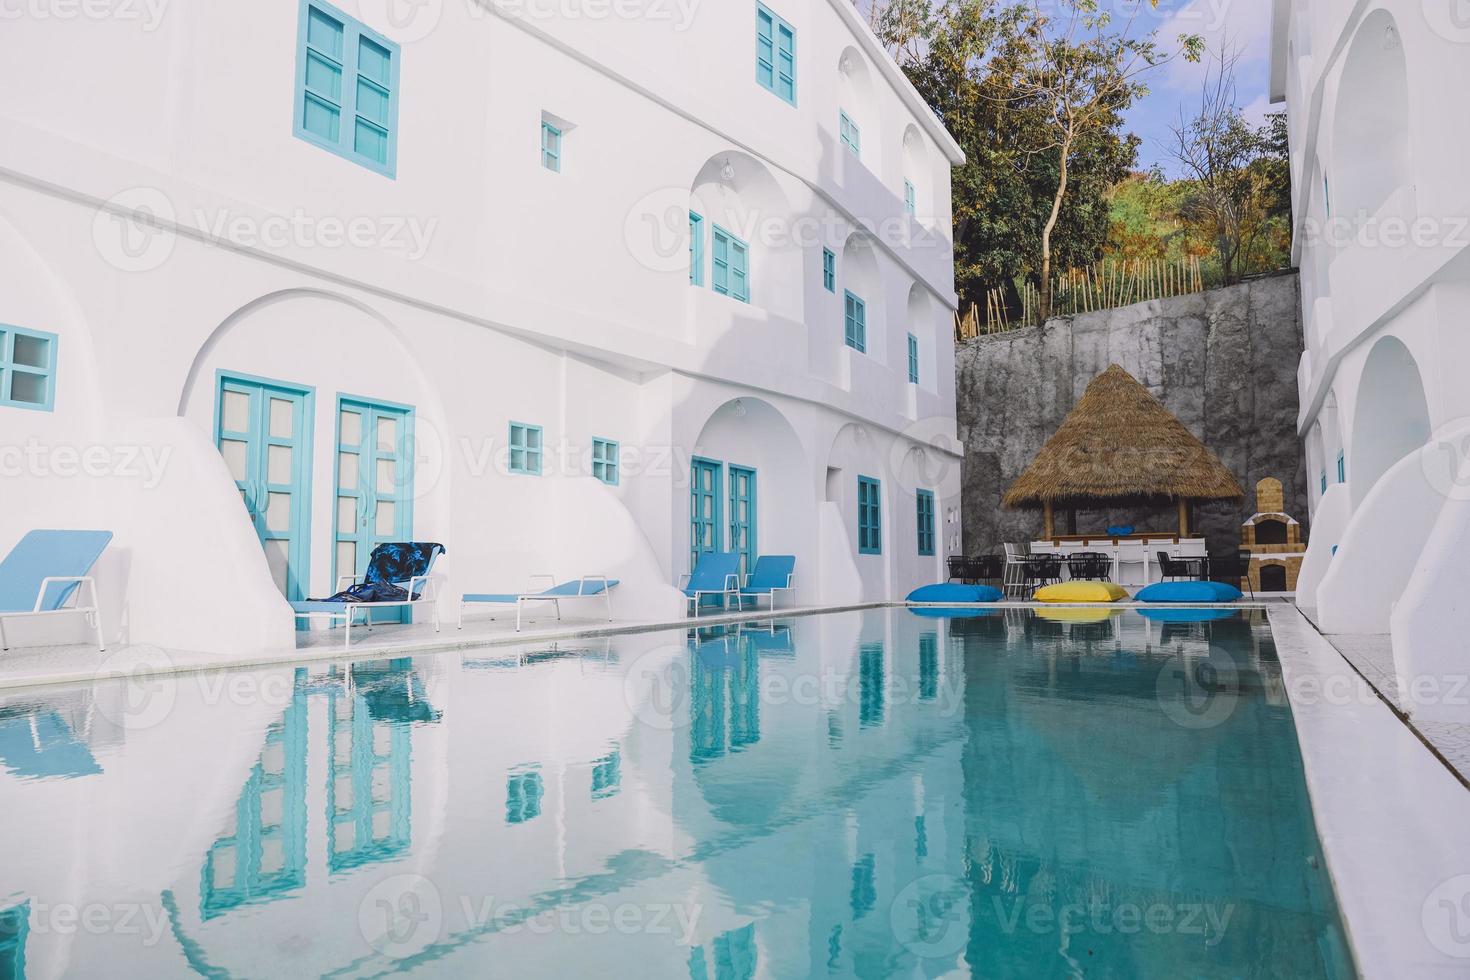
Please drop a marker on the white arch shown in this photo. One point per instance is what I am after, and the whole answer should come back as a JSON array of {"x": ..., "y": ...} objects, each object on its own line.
[
  {"x": 860, "y": 277},
  {"x": 739, "y": 194},
  {"x": 1390, "y": 417},
  {"x": 855, "y": 88},
  {"x": 916, "y": 170},
  {"x": 1371, "y": 155}
]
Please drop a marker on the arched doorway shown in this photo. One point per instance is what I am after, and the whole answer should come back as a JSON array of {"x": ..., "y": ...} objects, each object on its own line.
[{"x": 1391, "y": 416}]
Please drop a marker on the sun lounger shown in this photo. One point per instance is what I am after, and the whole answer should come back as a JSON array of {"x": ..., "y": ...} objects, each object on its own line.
[
  {"x": 586, "y": 587},
  {"x": 45, "y": 571}
]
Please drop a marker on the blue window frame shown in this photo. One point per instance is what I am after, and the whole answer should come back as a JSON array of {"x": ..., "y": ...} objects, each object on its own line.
[
  {"x": 924, "y": 510},
  {"x": 829, "y": 270},
  {"x": 910, "y": 199},
  {"x": 1326, "y": 196},
  {"x": 1324, "y": 481},
  {"x": 607, "y": 775},
  {"x": 730, "y": 265},
  {"x": 550, "y": 147},
  {"x": 27, "y": 368},
  {"x": 605, "y": 463},
  {"x": 870, "y": 516},
  {"x": 913, "y": 359},
  {"x": 775, "y": 54},
  {"x": 347, "y": 88},
  {"x": 1341, "y": 468},
  {"x": 524, "y": 788},
  {"x": 855, "y": 322},
  {"x": 696, "y": 249},
  {"x": 850, "y": 135},
  {"x": 525, "y": 449}
]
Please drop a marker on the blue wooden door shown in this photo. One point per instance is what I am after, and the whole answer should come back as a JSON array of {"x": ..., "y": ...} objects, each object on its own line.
[
  {"x": 705, "y": 493},
  {"x": 374, "y": 485},
  {"x": 263, "y": 430},
  {"x": 742, "y": 517}
]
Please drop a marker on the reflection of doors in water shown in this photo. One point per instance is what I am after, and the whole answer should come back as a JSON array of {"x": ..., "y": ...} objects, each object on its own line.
[
  {"x": 742, "y": 517},
  {"x": 263, "y": 430},
  {"x": 1273, "y": 578},
  {"x": 704, "y": 508},
  {"x": 374, "y": 485}
]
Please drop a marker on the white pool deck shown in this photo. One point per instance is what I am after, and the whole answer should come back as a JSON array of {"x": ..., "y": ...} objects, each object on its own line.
[{"x": 1392, "y": 815}]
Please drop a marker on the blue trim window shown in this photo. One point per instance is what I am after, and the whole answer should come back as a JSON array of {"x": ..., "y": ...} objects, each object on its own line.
[
  {"x": 775, "y": 54},
  {"x": 696, "y": 249},
  {"x": 850, "y": 135},
  {"x": 1341, "y": 468},
  {"x": 550, "y": 147},
  {"x": 730, "y": 266},
  {"x": 924, "y": 506},
  {"x": 347, "y": 88},
  {"x": 524, "y": 789},
  {"x": 870, "y": 516},
  {"x": 855, "y": 322},
  {"x": 1324, "y": 481},
  {"x": 829, "y": 270},
  {"x": 27, "y": 368},
  {"x": 1326, "y": 196},
  {"x": 913, "y": 359},
  {"x": 605, "y": 465},
  {"x": 525, "y": 449},
  {"x": 910, "y": 199}
]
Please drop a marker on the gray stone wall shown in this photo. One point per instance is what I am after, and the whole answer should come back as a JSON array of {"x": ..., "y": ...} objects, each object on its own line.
[{"x": 1223, "y": 361}]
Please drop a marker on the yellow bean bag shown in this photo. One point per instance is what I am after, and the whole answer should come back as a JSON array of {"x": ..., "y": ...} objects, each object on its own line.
[{"x": 1081, "y": 592}]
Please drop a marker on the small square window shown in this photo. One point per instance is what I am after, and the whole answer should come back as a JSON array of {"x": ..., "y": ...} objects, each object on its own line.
[
  {"x": 850, "y": 135},
  {"x": 605, "y": 462},
  {"x": 27, "y": 368},
  {"x": 551, "y": 147},
  {"x": 525, "y": 449}
]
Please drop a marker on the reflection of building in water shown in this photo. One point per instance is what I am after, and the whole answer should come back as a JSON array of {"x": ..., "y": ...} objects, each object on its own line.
[
  {"x": 15, "y": 923},
  {"x": 261, "y": 855},
  {"x": 369, "y": 730},
  {"x": 724, "y": 693},
  {"x": 731, "y": 956}
]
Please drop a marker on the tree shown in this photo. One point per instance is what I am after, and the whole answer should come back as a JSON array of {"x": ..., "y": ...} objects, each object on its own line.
[
  {"x": 1081, "y": 74},
  {"x": 965, "y": 58}
]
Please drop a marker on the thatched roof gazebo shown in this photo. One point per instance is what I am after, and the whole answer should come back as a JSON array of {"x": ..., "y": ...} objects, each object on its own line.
[{"x": 1119, "y": 445}]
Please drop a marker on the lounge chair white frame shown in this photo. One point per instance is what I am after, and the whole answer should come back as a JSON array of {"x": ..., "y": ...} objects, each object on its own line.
[
  {"x": 732, "y": 588},
  {"x": 790, "y": 586},
  {"x": 427, "y": 596},
  {"x": 92, "y": 612},
  {"x": 555, "y": 600}
]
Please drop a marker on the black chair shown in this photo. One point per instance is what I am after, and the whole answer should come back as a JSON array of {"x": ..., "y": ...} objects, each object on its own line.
[
  {"x": 1233, "y": 570},
  {"x": 959, "y": 568},
  {"x": 1172, "y": 569},
  {"x": 1090, "y": 565},
  {"x": 1040, "y": 571},
  {"x": 988, "y": 568}
]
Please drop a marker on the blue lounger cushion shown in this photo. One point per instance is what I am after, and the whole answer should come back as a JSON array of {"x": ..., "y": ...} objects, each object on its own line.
[
  {"x": 47, "y": 554},
  {"x": 955, "y": 592},
  {"x": 566, "y": 590},
  {"x": 1188, "y": 592}
]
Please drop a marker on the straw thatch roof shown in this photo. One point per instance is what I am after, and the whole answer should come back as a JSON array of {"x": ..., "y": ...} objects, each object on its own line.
[{"x": 1117, "y": 444}]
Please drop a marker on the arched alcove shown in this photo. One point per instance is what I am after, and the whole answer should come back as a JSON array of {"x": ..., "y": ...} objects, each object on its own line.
[
  {"x": 1390, "y": 417},
  {"x": 737, "y": 194},
  {"x": 920, "y": 323},
  {"x": 860, "y": 278},
  {"x": 916, "y": 172},
  {"x": 855, "y": 98},
  {"x": 1371, "y": 155}
]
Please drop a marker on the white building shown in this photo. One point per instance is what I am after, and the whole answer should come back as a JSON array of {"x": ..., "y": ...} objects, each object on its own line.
[
  {"x": 495, "y": 273},
  {"x": 1381, "y": 207}
]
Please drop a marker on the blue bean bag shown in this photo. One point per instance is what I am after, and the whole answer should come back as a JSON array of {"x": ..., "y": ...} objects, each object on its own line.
[
  {"x": 1188, "y": 592},
  {"x": 955, "y": 592},
  {"x": 1187, "y": 615}
]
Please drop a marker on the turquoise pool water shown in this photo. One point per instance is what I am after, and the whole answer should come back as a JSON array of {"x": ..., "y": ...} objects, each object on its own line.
[{"x": 865, "y": 794}]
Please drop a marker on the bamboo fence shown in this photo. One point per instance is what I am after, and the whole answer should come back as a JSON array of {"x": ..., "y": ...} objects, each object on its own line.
[{"x": 1106, "y": 285}]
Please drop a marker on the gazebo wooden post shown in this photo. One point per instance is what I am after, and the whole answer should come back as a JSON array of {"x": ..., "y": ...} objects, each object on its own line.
[
  {"x": 1047, "y": 518},
  {"x": 1183, "y": 518}
]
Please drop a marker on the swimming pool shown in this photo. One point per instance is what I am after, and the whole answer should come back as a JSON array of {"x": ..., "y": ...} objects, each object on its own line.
[{"x": 1075, "y": 792}]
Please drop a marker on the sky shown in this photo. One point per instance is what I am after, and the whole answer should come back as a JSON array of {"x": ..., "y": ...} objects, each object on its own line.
[{"x": 1244, "y": 25}]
